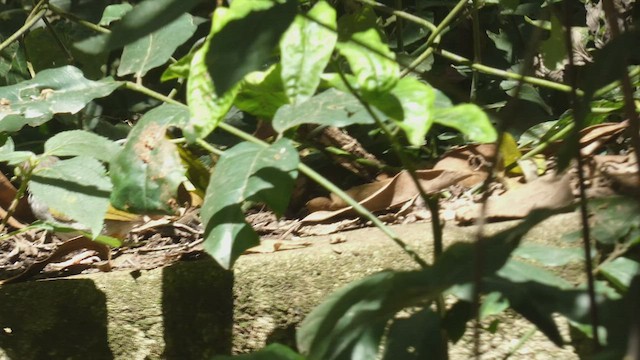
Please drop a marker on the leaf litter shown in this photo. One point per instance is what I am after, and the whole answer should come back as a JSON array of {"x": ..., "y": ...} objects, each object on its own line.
[{"x": 458, "y": 174}]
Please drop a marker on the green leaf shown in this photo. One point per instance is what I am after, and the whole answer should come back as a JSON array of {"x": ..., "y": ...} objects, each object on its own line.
[
  {"x": 614, "y": 218},
  {"x": 549, "y": 255},
  {"x": 518, "y": 271},
  {"x": 334, "y": 324},
  {"x": 156, "y": 48},
  {"x": 456, "y": 318},
  {"x": 305, "y": 51},
  {"x": 147, "y": 171},
  {"x": 62, "y": 90},
  {"x": 246, "y": 172},
  {"x": 332, "y": 107},
  {"x": 416, "y": 337},
  {"x": 415, "y": 100},
  {"x": 114, "y": 12},
  {"x": 13, "y": 63},
  {"x": 246, "y": 40},
  {"x": 145, "y": 18},
  {"x": 262, "y": 93},
  {"x": 369, "y": 57},
  {"x": 270, "y": 352},
  {"x": 469, "y": 119},
  {"x": 78, "y": 188},
  {"x": 527, "y": 92},
  {"x": 207, "y": 110},
  {"x": 620, "y": 272},
  {"x": 179, "y": 69},
  {"x": 554, "y": 50},
  {"x": 493, "y": 304},
  {"x": 8, "y": 153},
  {"x": 80, "y": 142}
]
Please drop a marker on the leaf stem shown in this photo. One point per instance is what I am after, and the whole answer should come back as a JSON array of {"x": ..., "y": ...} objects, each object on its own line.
[
  {"x": 81, "y": 21},
  {"x": 434, "y": 36}
]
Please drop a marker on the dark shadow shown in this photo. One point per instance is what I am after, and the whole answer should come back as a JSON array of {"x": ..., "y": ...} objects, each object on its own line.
[
  {"x": 197, "y": 308},
  {"x": 57, "y": 319}
]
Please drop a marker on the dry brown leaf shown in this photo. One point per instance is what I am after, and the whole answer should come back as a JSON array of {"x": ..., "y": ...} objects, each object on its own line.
[
  {"x": 551, "y": 192},
  {"x": 593, "y": 137},
  {"x": 389, "y": 193},
  {"x": 472, "y": 159},
  {"x": 270, "y": 246}
]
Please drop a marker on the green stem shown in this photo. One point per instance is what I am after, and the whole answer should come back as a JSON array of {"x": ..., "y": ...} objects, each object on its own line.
[
  {"x": 542, "y": 146},
  {"x": 19, "y": 194},
  {"x": 83, "y": 22},
  {"x": 507, "y": 74},
  {"x": 477, "y": 58},
  {"x": 23, "y": 29},
  {"x": 301, "y": 167},
  {"x": 434, "y": 35}
]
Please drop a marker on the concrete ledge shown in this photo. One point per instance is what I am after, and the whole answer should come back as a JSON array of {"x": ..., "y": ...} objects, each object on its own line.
[{"x": 191, "y": 309}]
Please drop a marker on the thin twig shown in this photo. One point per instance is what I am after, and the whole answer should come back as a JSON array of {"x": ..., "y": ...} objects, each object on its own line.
[{"x": 23, "y": 29}]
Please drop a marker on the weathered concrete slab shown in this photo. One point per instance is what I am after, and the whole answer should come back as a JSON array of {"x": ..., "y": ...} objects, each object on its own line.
[{"x": 189, "y": 310}]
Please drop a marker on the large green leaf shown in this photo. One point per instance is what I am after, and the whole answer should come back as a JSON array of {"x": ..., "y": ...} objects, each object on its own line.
[
  {"x": 245, "y": 172},
  {"x": 549, "y": 255},
  {"x": 114, "y": 12},
  {"x": 469, "y": 119},
  {"x": 332, "y": 107},
  {"x": 53, "y": 91},
  {"x": 620, "y": 272},
  {"x": 345, "y": 314},
  {"x": 78, "y": 188},
  {"x": 416, "y": 337},
  {"x": 206, "y": 108},
  {"x": 410, "y": 103},
  {"x": 80, "y": 142},
  {"x": 614, "y": 218},
  {"x": 369, "y": 57},
  {"x": 13, "y": 63},
  {"x": 147, "y": 172},
  {"x": 554, "y": 49},
  {"x": 156, "y": 48},
  {"x": 262, "y": 93},
  {"x": 246, "y": 40},
  {"x": 9, "y": 154},
  {"x": 145, "y": 18},
  {"x": 305, "y": 50},
  {"x": 270, "y": 352}
]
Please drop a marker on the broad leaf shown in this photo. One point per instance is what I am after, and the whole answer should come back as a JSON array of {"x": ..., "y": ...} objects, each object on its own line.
[
  {"x": 261, "y": 93},
  {"x": 62, "y": 90},
  {"x": 469, "y": 119},
  {"x": 246, "y": 40},
  {"x": 410, "y": 103},
  {"x": 145, "y": 18},
  {"x": 548, "y": 255},
  {"x": 147, "y": 172},
  {"x": 179, "y": 69},
  {"x": 370, "y": 59},
  {"x": 114, "y": 12},
  {"x": 305, "y": 50},
  {"x": 614, "y": 218},
  {"x": 8, "y": 153},
  {"x": 13, "y": 63},
  {"x": 246, "y": 172},
  {"x": 332, "y": 107},
  {"x": 334, "y": 324},
  {"x": 78, "y": 188},
  {"x": 156, "y": 48},
  {"x": 526, "y": 92},
  {"x": 269, "y": 352},
  {"x": 206, "y": 108},
  {"x": 620, "y": 272},
  {"x": 554, "y": 49},
  {"x": 416, "y": 337},
  {"x": 80, "y": 142}
]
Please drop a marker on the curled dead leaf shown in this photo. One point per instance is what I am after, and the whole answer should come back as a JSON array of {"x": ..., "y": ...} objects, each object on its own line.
[{"x": 388, "y": 193}]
